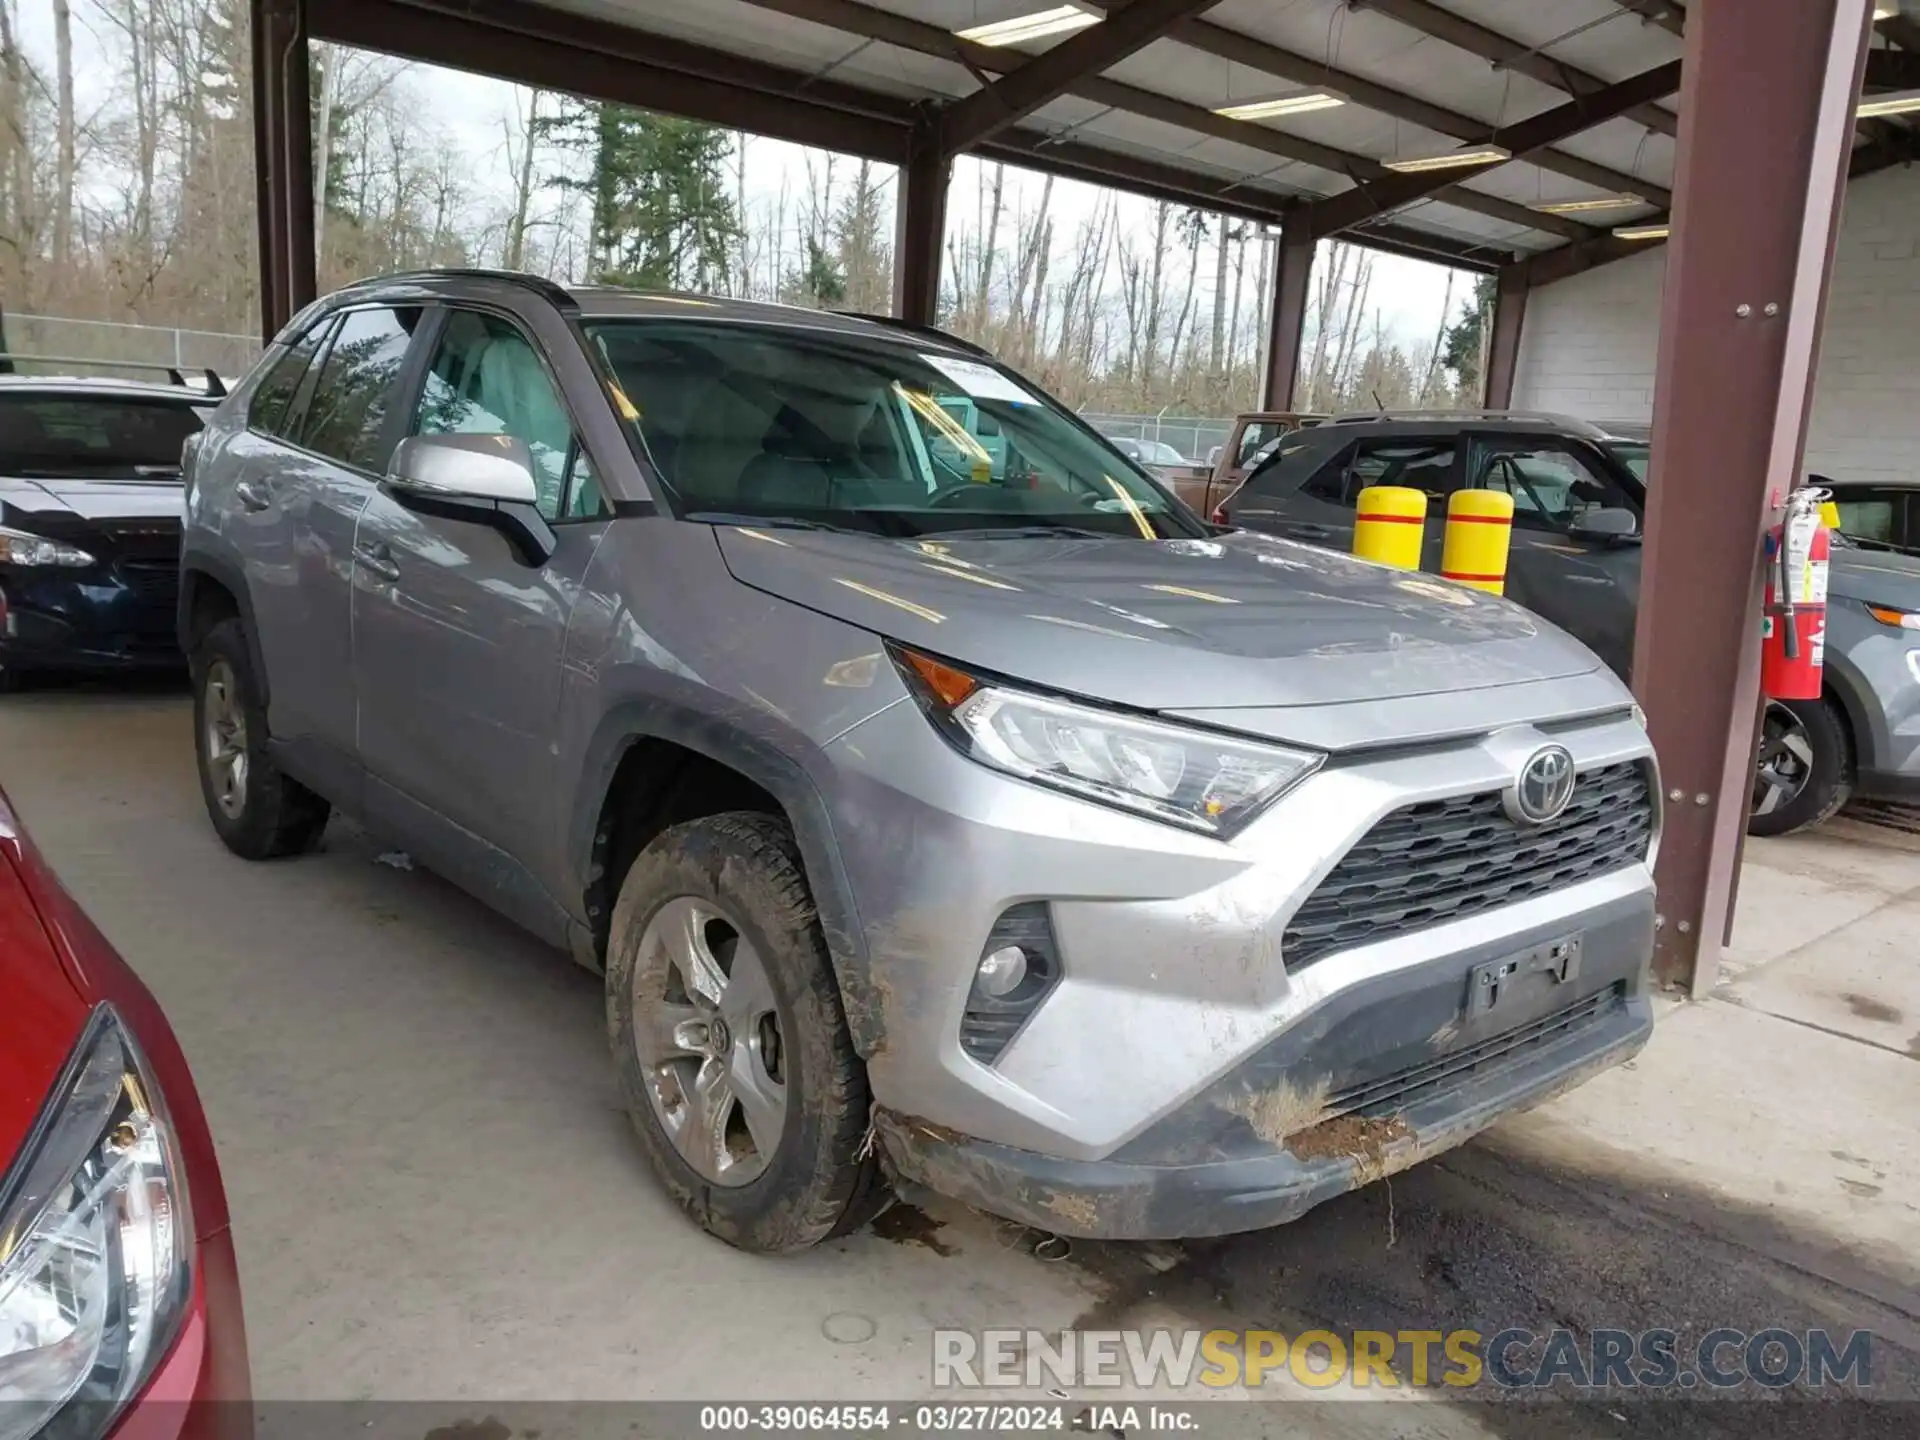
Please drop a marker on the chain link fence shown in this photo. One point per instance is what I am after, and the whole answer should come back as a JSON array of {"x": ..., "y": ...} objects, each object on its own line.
[
  {"x": 1194, "y": 437},
  {"x": 39, "y": 344}
]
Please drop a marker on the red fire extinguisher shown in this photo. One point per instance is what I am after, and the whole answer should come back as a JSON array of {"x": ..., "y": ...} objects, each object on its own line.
[{"x": 1794, "y": 630}]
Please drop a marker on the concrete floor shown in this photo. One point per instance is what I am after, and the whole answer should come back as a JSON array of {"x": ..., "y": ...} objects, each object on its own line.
[{"x": 436, "y": 1195}]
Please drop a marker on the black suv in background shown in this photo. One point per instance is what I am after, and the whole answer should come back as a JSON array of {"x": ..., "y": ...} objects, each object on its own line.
[{"x": 1579, "y": 493}]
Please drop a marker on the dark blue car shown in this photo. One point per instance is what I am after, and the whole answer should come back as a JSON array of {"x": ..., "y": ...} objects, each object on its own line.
[{"x": 90, "y": 502}]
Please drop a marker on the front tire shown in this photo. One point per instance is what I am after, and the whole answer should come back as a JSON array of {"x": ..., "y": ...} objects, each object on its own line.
[
  {"x": 1804, "y": 771},
  {"x": 732, "y": 1048},
  {"x": 258, "y": 812}
]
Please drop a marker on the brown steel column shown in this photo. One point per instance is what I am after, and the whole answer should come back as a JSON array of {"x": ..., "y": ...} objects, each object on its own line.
[
  {"x": 1288, "y": 322},
  {"x": 283, "y": 159},
  {"x": 1503, "y": 347},
  {"x": 1758, "y": 191},
  {"x": 920, "y": 228}
]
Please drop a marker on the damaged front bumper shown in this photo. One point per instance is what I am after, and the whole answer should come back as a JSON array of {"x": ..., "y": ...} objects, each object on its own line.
[{"x": 1308, "y": 1118}]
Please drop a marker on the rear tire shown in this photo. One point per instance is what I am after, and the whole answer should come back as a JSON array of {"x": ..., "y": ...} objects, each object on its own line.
[
  {"x": 258, "y": 812},
  {"x": 1804, "y": 770},
  {"x": 741, "y": 1081}
]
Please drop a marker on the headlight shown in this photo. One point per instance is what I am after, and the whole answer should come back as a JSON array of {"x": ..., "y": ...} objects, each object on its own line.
[
  {"x": 1205, "y": 782},
  {"x": 1899, "y": 619},
  {"x": 94, "y": 1241},
  {"x": 19, "y": 548}
]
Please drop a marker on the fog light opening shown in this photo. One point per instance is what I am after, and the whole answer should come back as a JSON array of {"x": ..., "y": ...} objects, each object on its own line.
[{"x": 1002, "y": 970}]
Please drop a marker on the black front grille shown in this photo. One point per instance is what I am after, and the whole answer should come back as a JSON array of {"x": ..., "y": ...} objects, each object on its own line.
[
  {"x": 1391, "y": 1094},
  {"x": 157, "y": 580},
  {"x": 148, "y": 541},
  {"x": 1443, "y": 860}
]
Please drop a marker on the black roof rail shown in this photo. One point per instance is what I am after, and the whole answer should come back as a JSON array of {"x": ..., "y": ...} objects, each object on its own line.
[
  {"x": 548, "y": 290},
  {"x": 915, "y": 327},
  {"x": 215, "y": 386}
]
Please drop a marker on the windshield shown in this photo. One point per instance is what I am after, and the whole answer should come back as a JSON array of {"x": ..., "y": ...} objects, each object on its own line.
[
  {"x": 92, "y": 437},
  {"x": 745, "y": 422}
]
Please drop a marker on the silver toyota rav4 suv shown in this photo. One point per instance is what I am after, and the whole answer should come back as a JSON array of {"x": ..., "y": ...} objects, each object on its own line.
[{"x": 943, "y": 801}]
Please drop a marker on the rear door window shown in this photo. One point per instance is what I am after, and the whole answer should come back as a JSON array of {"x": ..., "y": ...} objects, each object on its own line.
[
  {"x": 1418, "y": 464},
  {"x": 346, "y": 419}
]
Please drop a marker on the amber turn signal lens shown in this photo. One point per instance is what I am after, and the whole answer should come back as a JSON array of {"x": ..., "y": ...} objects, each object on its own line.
[{"x": 949, "y": 686}]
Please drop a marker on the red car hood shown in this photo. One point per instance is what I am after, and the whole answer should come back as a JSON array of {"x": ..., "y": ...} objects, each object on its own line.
[{"x": 45, "y": 1006}]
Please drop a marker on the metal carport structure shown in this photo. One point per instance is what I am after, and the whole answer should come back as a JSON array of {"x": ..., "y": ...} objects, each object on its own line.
[{"x": 1592, "y": 115}]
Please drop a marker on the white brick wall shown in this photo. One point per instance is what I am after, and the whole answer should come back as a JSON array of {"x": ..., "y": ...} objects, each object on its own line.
[{"x": 1589, "y": 341}]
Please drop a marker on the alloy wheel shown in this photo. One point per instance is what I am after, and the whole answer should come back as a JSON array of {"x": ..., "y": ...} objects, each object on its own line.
[
  {"x": 1785, "y": 763},
  {"x": 707, "y": 1032},
  {"x": 224, "y": 733}
]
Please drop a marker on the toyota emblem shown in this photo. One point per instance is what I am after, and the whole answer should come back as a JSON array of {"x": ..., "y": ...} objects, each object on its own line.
[{"x": 1543, "y": 786}]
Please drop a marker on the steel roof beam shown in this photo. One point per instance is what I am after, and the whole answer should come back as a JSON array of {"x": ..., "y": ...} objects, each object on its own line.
[
  {"x": 871, "y": 23},
  {"x": 1508, "y": 53},
  {"x": 1380, "y": 197},
  {"x": 1271, "y": 59},
  {"x": 1051, "y": 74}
]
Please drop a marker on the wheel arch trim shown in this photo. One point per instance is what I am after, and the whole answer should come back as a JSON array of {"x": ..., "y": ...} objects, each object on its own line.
[{"x": 777, "y": 772}]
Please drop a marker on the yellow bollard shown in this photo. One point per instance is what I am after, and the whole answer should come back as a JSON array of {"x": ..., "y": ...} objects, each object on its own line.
[
  {"x": 1391, "y": 525},
  {"x": 1479, "y": 530}
]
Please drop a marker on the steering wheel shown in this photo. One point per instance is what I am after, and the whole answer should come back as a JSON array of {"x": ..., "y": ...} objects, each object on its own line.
[{"x": 943, "y": 498}]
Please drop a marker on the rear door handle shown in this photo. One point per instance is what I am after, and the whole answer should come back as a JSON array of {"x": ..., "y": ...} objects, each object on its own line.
[
  {"x": 252, "y": 496},
  {"x": 375, "y": 557}
]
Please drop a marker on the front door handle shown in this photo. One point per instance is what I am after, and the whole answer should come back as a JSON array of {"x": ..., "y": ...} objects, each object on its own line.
[
  {"x": 252, "y": 496},
  {"x": 375, "y": 557}
]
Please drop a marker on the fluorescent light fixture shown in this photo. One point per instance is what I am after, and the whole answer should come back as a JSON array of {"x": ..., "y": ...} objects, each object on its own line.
[
  {"x": 1886, "y": 9},
  {"x": 1471, "y": 155},
  {"x": 1657, "y": 231},
  {"x": 1585, "y": 207},
  {"x": 1900, "y": 102},
  {"x": 1039, "y": 25},
  {"x": 1296, "y": 102}
]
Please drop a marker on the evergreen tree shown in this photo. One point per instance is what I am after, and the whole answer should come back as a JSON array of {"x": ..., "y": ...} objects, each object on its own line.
[
  {"x": 1461, "y": 346},
  {"x": 662, "y": 214}
]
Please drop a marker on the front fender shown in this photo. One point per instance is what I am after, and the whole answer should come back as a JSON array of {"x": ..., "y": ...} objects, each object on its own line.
[{"x": 781, "y": 775}]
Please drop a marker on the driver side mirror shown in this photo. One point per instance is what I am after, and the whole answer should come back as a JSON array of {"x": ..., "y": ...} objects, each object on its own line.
[
  {"x": 1609, "y": 526},
  {"x": 479, "y": 479}
]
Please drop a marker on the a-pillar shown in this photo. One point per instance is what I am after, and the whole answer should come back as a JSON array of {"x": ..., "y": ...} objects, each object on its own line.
[
  {"x": 1758, "y": 190},
  {"x": 1287, "y": 323},
  {"x": 1503, "y": 346},
  {"x": 920, "y": 227},
  {"x": 283, "y": 159}
]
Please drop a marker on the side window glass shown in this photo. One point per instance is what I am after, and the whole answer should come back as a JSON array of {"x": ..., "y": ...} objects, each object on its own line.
[
  {"x": 1869, "y": 516},
  {"x": 1551, "y": 486},
  {"x": 1417, "y": 464},
  {"x": 346, "y": 418},
  {"x": 486, "y": 379},
  {"x": 268, "y": 411},
  {"x": 1254, "y": 439}
]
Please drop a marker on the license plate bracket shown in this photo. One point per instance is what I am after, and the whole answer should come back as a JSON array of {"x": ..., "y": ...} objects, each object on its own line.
[{"x": 1489, "y": 982}]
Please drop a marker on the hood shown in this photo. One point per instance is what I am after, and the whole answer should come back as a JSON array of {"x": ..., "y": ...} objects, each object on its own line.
[
  {"x": 44, "y": 1011},
  {"x": 1242, "y": 620},
  {"x": 156, "y": 499},
  {"x": 1876, "y": 577}
]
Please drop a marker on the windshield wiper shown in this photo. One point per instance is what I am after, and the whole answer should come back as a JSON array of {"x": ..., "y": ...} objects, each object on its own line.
[
  {"x": 994, "y": 532},
  {"x": 770, "y": 522}
]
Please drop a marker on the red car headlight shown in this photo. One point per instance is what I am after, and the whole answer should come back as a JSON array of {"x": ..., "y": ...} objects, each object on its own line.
[{"x": 95, "y": 1242}]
